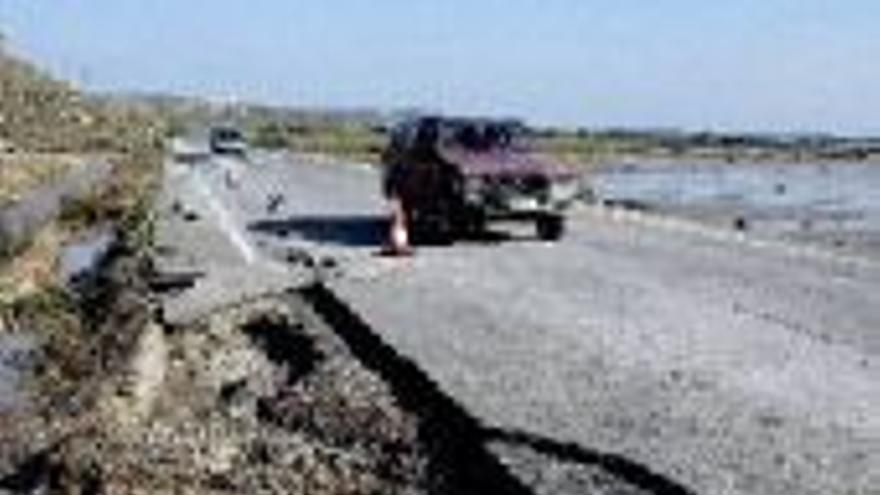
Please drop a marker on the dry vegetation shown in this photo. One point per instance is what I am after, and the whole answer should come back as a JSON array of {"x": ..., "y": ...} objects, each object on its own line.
[
  {"x": 47, "y": 125},
  {"x": 22, "y": 172},
  {"x": 41, "y": 114},
  {"x": 47, "y": 128},
  {"x": 33, "y": 270}
]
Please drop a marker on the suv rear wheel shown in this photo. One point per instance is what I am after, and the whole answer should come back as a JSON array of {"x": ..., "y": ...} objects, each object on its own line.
[
  {"x": 430, "y": 228},
  {"x": 550, "y": 227}
]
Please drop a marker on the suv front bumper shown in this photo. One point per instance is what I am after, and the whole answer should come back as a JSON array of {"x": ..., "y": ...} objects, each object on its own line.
[{"x": 509, "y": 202}]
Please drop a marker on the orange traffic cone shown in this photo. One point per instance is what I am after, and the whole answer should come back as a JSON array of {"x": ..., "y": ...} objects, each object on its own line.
[{"x": 398, "y": 233}]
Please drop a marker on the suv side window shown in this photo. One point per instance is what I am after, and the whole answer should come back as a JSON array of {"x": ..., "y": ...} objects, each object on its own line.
[
  {"x": 400, "y": 145},
  {"x": 399, "y": 136},
  {"x": 427, "y": 133}
]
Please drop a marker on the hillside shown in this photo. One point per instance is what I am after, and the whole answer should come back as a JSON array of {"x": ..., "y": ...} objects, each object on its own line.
[
  {"x": 48, "y": 129},
  {"x": 41, "y": 114}
]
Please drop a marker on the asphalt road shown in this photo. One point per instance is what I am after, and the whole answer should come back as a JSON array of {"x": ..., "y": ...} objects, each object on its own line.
[{"x": 724, "y": 365}]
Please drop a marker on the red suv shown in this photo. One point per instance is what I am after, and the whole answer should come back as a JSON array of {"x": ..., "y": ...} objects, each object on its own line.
[{"x": 453, "y": 175}]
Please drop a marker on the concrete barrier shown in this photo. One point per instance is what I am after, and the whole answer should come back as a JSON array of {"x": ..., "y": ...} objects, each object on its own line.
[{"x": 22, "y": 219}]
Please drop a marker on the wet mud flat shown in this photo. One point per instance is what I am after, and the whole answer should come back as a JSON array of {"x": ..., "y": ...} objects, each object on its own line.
[{"x": 835, "y": 206}]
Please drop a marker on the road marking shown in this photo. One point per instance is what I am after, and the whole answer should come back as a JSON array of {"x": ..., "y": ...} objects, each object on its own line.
[{"x": 227, "y": 225}]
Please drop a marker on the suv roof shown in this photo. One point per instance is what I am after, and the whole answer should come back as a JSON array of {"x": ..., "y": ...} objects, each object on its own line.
[
  {"x": 474, "y": 133},
  {"x": 459, "y": 121},
  {"x": 226, "y": 132}
]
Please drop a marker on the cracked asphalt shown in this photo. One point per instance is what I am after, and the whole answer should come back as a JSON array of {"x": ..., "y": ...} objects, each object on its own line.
[{"x": 725, "y": 365}]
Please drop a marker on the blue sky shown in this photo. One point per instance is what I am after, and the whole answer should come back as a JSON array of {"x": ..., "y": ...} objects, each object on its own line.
[{"x": 782, "y": 65}]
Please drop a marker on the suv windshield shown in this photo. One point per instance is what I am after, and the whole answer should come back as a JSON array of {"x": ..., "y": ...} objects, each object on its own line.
[
  {"x": 227, "y": 135},
  {"x": 483, "y": 136}
]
